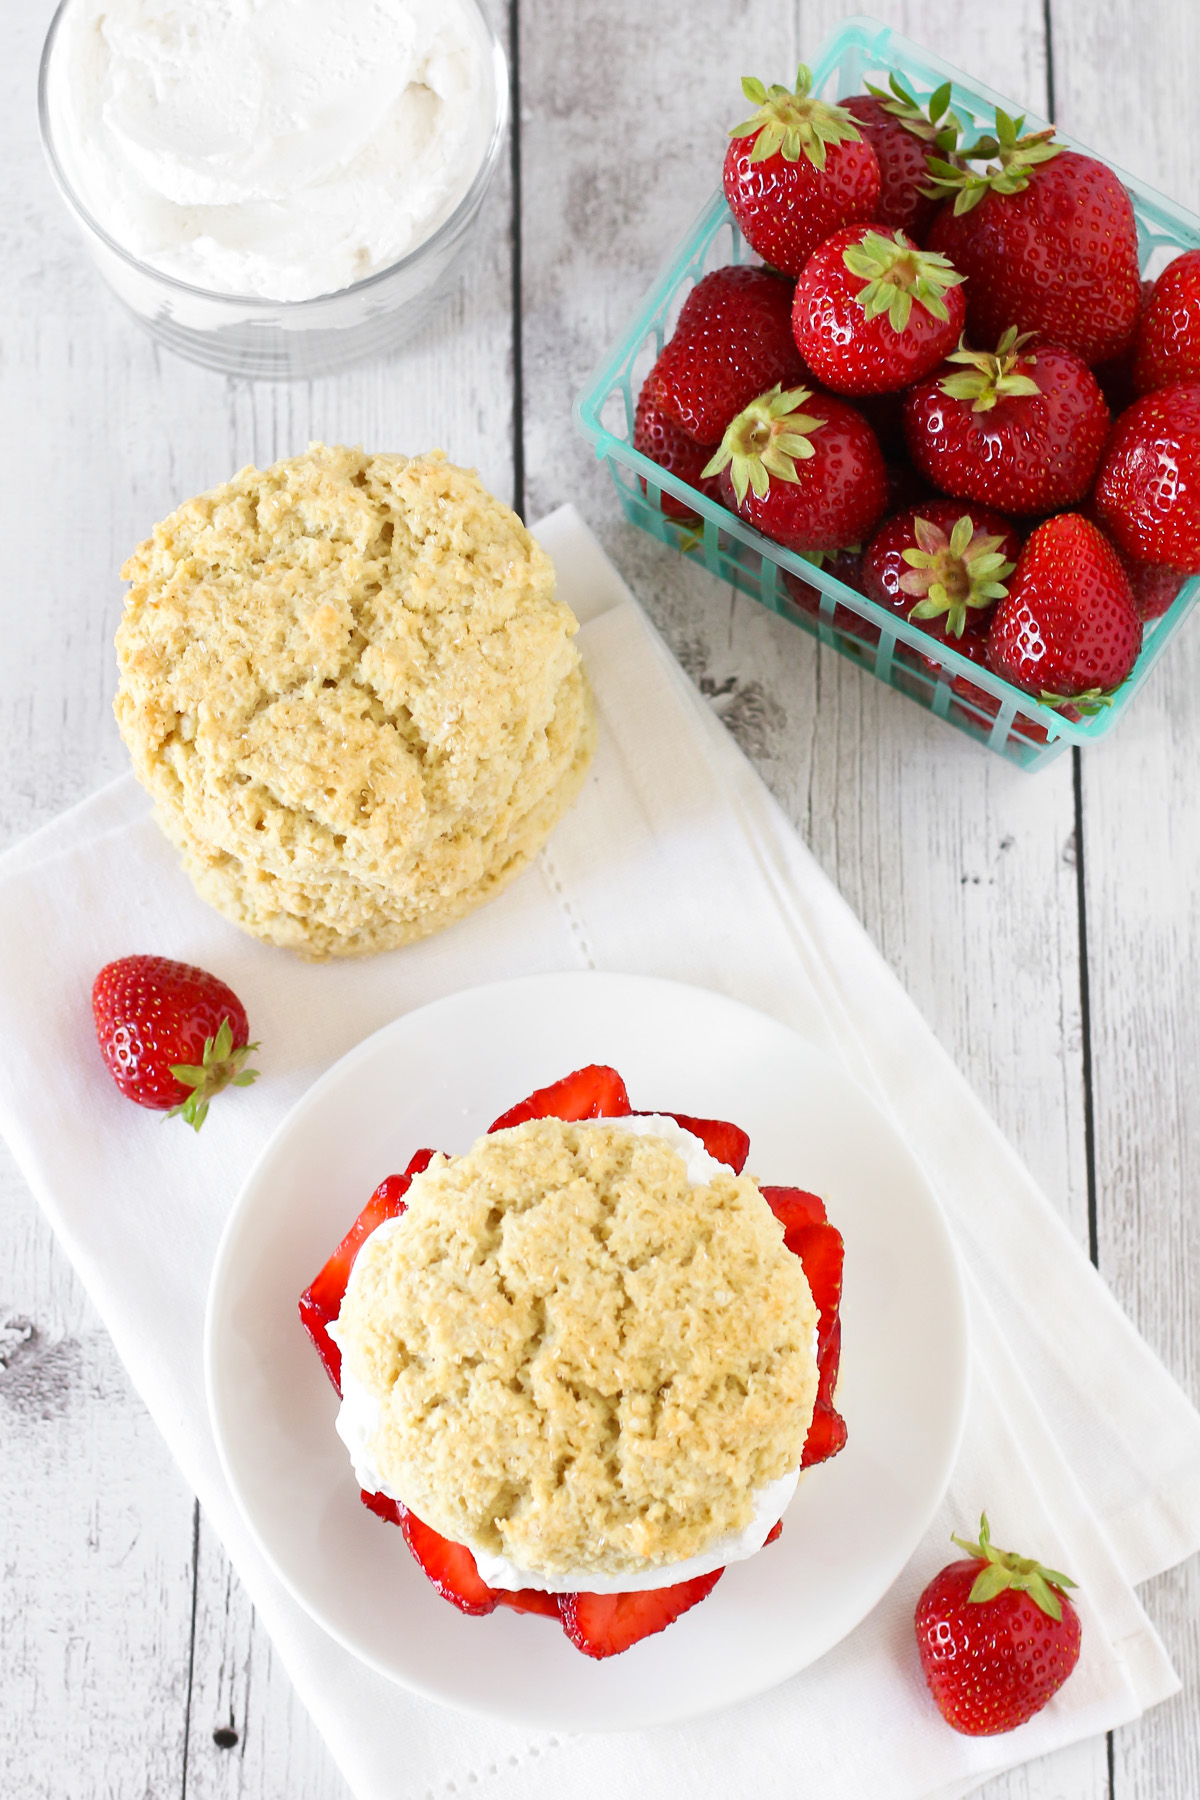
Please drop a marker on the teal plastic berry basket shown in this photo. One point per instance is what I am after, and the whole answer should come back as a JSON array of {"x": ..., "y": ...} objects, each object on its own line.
[{"x": 976, "y": 701}]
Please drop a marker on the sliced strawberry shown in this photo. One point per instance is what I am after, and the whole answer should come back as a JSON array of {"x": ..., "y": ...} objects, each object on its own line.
[
  {"x": 819, "y": 1248},
  {"x": 793, "y": 1207},
  {"x": 596, "y": 1092},
  {"x": 826, "y": 1435},
  {"x": 775, "y": 1531},
  {"x": 605, "y": 1624},
  {"x": 381, "y": 1506},
  {"x": 450, "y": 1567},
  {"x": 530, "y": 1600},
  {"x": 321, "y": 1301},
  {"x": 727, "y": 1143}
]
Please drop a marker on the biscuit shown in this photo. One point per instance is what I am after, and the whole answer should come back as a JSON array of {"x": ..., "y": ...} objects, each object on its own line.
[
  {"x": 581, "y": 1360},
  {"x": 350, "y": 689}
]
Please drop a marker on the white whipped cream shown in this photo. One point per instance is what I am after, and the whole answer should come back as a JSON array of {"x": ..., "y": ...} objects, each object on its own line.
[
  {"x": 278, "y": 148},
  {"x": 360, "y": 1413}
]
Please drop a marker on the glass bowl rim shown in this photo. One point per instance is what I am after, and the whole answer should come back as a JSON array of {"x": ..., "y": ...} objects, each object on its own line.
[{"x": 258, "y": 302}]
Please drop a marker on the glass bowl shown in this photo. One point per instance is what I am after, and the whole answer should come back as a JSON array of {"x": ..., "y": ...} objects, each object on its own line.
[
  {"x": 281, "y": 339},
  {"x": 938, "y": 678}
]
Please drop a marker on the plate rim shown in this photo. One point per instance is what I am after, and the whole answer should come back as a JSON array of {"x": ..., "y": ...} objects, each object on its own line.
[{"x": 343, "y": 1067}]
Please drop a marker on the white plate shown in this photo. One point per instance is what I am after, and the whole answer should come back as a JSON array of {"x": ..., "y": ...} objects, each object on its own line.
[{"x": 438, "y": 1077}]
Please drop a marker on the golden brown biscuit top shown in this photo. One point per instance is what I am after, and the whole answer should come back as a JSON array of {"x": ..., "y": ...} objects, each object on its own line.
[
  {"x": 341, "y": 665},
  {"x": 582, "y": 1360}
]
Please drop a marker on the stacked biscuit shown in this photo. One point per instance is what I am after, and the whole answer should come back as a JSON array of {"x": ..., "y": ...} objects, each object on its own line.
[
  {"x": 580, "y": 1359},
  {"x": 349, "y": 688}
]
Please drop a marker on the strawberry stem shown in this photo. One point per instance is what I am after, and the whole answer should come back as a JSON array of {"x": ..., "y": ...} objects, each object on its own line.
[
  {"x": 954, "y": 574},
  {"x": 795, "y": 124},
  {"x": 767, "y": 438},
  {"x": 220, "y": 1067},
  {"x": 991, "y": 375},
  {"x": 1005, "y": 1570},
  {"x": 896, "y": 274}
]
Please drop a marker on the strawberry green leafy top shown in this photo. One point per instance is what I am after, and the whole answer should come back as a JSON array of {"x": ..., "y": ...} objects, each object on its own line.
[
  {"x": 896, "y": 274},
  {"x": 936, "y": 125},
  {"x": 955, "y": 573},
  {"x": 1006, "y": 1570},
  {"x": 1016, "y": 156},
  {"x": 794, "y": 123},
  {"x": 991, "y": 375},
  {"x": 766, "y": 439}
]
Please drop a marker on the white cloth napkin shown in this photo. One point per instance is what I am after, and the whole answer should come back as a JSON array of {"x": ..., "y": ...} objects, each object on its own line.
[{"x": 674, "y": 862}]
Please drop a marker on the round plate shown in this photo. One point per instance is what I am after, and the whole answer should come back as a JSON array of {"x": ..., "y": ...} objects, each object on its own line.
[{"x": 438, "y": 1077}]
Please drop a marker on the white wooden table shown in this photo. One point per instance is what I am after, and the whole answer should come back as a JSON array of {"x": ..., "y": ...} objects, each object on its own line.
[{"x": 1046, "y": 925}]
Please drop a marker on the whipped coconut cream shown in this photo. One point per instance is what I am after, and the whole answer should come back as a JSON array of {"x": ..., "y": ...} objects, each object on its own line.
[
  {"x": 276, "y": 148},
  {"x": 359, "y": 1417}
]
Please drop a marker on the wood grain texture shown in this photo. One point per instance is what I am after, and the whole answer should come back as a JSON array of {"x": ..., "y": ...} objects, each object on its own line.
[{"x": 962, "y": 870}]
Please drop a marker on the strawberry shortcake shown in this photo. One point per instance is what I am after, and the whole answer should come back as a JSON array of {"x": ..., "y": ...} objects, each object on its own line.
[{"x": 581, "y": 1365}]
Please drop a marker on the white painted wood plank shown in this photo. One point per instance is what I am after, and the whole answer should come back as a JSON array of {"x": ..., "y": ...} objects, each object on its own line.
[{"x": 1126, "y": 81}]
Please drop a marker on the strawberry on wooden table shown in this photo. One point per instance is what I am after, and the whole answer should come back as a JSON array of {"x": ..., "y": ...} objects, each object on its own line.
[
  {"x": 811, "y": 480},
  {"x": 942, "y": 565},
  {"x": 733, "y": 340},
  {"x": 1020, "y": 428},
  {"x": 1068, "y": 628},
  {"x": 997, "y": 1637},
  {"x": 903, "y": 135},
  {"x": 1047, "y": 240},
  {"x": 872, "y": 313},
  {"x": 1148, "y": 489},
  {"x": 796, "y": 170},
  {"x": 1167, "y": 342},
  {"x": 172, "y": 1036}
]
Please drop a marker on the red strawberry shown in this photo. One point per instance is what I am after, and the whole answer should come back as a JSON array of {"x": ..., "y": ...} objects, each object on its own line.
[
  {"x": 1153, "y": 585},
  {"x": 321, "y": 1301},
  {"x": 595, "y": 1092},
  {"x": 171, "y": 1035},
  {"x": 819, "y": 1246},
  {"x": 901, "y": 135},
  {"x": 997, "y": 1636},
  {"x": 733, "y": 340},
  {"x": 1068, "y": 628},
  {"x": 942, "y": 565},
  {"x": 727, "y": 1143},
  {"x": 1167, "y": 345},
  {"x": 775, "y": 1531},
  {"x": 1148, "y": 489},
  {"x": 670, "y": 446},
  {"x": 1048, "y": 243},
  {"x": 810, "y": 481},
  {"x": 872, "y": 314},
  {"x": 794, "y": 1208},
  {"x": 450, "y": 1567},
  {"x": 795, "y": 171},
  {"x": 1116, "y": 375},
  {"x": 529, "y": 1600},
  {"x": 1020, "y": 430},
  {"x": 605, "y": 1624},
  {"x": 846, "y": 565}
]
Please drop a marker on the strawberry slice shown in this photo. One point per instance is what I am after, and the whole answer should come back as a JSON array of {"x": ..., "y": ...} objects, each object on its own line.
[
  {"x": 727, "y": 1143},
  {"x": 450, "y": 1567},
  {"x": 424, "y": 1541},
  {"x": 793, "y": 1207},
  {"x": 381, "y": 1506},
  {"x": 774, "y": 1532},
  {"x": 819, "y": 1248},
  {"x": 321, "y": 1301},
  {"x": 826, "y": 1435},
  {"x": 596, "y": 1092},
  {"x": 605, "y": 1624},
  {"x": 531, "y": 1600}
]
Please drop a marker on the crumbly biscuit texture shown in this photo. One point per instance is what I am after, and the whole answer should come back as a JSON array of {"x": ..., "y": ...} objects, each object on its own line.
[
  {"x": 353, "y": 695},
  {"x": 582, "y": 1361}
]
